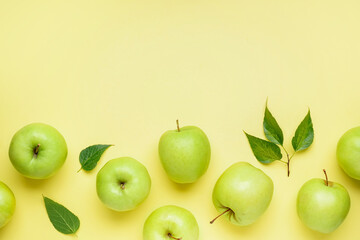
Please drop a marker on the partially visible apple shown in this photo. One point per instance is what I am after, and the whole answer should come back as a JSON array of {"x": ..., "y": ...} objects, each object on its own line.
[
  {"x": 348, "y": 153},
  {"x": 123, "y": 183},
  {"x": 242, "y": 193},
  {"x": 7, "y": 204},
  {"x": 171, "y": 222},
  {"x": 322, "y": 205},
  {"x": 184, "y": 153},
  {"x": 37, "y": 151}
]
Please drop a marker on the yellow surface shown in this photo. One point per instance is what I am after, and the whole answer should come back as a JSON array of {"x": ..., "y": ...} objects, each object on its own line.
[{"x": 121, "y": 72}]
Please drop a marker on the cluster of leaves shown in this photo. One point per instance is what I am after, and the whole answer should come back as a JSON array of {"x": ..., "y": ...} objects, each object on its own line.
[
  {"x": 62, "y": 218},
  {"x": 268, "y": 151}
]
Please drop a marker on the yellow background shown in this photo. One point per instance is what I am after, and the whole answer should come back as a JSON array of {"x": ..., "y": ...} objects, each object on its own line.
[{"x": 122, "y": 72}]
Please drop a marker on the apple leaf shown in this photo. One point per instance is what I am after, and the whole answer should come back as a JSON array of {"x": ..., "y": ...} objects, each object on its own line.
[
  {"x": 264, "y": 151},
  {"x": 272, "y": 129},
  {"x": 304, "y": 134},
  {"x": 90, "y": 156},
  {"x": 61, "y": 218}
]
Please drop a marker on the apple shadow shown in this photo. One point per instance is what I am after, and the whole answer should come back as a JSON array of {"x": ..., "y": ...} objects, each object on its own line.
[
  {"x": 33, "y": 183},
  {"x": 3, "y": 230},
  {"x": 247, "y": 231},
  {"x": 234, "y": 229},
  {"x": 9, "y": 227},
  {"x": 181, "y": 186},
  {"x": 113, "y": 215},
  {"x": 38, "y": 183},
  {"x": 109, "y": 214},
  {"x": 311, "y": 234},
  {"x": 354, "y": 183},
  {"x": 121, "y": 218}
]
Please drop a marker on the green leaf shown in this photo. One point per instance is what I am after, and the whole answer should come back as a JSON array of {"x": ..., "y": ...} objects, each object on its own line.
[
  {"x": 272, "y": 129},
  {"x": 304, "y": 134},
  {"x": 90, "y": 156},
  {"x": 264, "y": 151},
  {"x": 61, "y": 218}
]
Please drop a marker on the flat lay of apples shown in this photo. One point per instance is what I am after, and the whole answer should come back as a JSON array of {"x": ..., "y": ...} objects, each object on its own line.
[{"x": 241, "y": 194}]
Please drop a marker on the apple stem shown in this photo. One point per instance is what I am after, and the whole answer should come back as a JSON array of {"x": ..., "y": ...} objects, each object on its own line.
[
  {"x": 212, "y": 221},
  {"x": 171, "y": 236},
  {"x": 177, "y": 125},
  {"x": 326, "y": 178},
  {"x": 36, "y": 150},
  {"x": 122, "y": 185}
]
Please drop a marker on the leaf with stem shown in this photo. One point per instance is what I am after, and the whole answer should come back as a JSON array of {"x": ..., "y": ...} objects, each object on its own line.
[
  {"x": 272, "y": 129},
  {"x": 304, "y": 134},
  {"x": 264, "y": 151},
  {"x": 61, "y": 218},
  {"x": 90, "y": 156}
]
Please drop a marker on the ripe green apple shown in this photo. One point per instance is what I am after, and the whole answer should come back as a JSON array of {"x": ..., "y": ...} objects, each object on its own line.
[
  {"x": 7, "y": 204},
  {"x": 123, "y": 183},
  {"x": 171, "y": 222},
  {"x": 242, "y": 193},
  {"x": 348, "y": 153},
  {"x": 184, "y": 153},
  {"x": 37, "y": 151},
  {"x": 322, "y": 205}
]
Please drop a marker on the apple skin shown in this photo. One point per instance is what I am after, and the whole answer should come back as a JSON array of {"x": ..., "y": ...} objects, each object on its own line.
[
  {"x": 348, "y": 153},
  {"x": 51, "y": 155},
  {"x": 245, "y": 190},
  {"x": 7, "y": 204},
  {"x": 123, "y": 183},
  {"x": 184, "y": 154},
  {"x": 174, "y": 220},
  {"x": 322, "y": 208}
]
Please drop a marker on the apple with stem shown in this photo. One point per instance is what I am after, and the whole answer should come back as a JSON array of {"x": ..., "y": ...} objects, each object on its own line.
[
  {"x": 184, "y": 153},
  {"x": 322, "y": 205},
  {"x": 7, "y": 204},
  {"x": 171, "y": 222},
  {"x": 348, "y": 153},
  {"x": 37, "y": 151},
  {"x": 242, "y": 194},
  {"x": 123, "y": 183}
]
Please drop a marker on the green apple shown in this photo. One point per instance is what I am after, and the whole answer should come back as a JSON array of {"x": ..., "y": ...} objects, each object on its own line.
[
  {"x": 322, "y": 205},
  {"x": 348, "y": 153},
  {"x": 37, "y": 151},
  {"x": 184, "y": 153},
  {"x": 123, "y": 183},
  {"x": 171, "y": 222},
  {"x": 7, "y": 204},
  {"x": 242, "y": 193}
]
